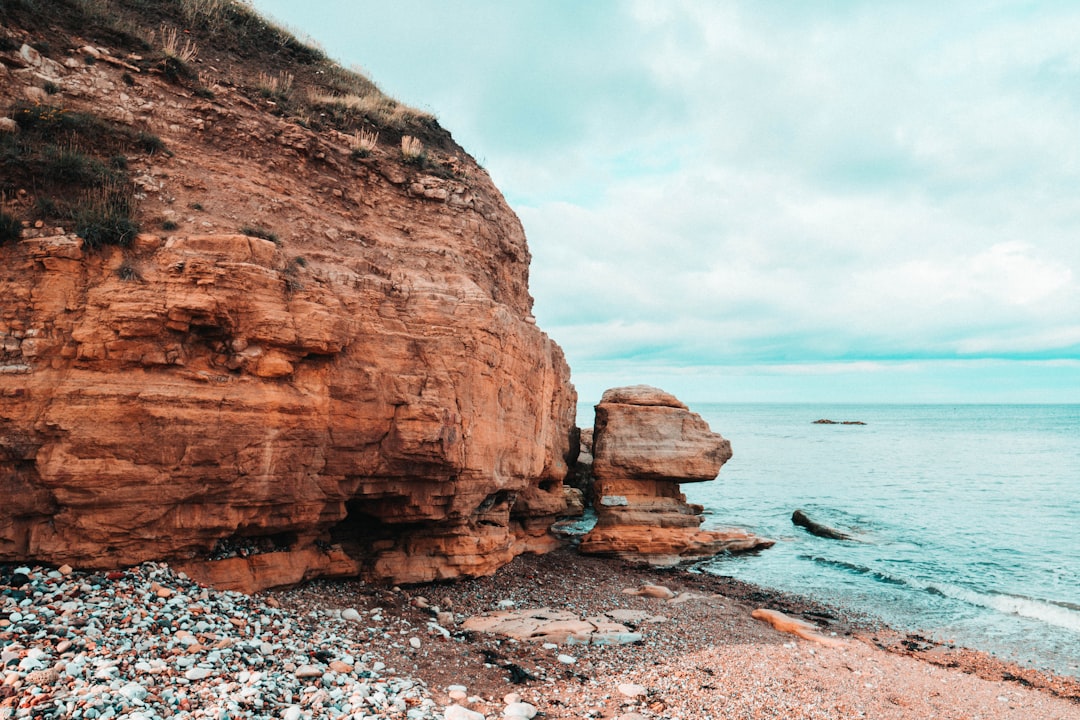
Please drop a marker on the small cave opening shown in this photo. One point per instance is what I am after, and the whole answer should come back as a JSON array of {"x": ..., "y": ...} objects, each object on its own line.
[
  {"x": 247, "y": 545},
  {"x": 496, "y": 499},
  {"x": 361, "y": 534},
  {"x": 495, "y": 510}
]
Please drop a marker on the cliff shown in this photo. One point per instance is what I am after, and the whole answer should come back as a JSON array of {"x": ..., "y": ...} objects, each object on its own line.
[{"x": 262, "y": 321}]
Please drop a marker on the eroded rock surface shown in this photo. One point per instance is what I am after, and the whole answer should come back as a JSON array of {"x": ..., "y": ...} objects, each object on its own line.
[
  {"x": 645, "y": 443},
  {"x": 422, "y": 429},
  {"x": 367, "y": 393}
]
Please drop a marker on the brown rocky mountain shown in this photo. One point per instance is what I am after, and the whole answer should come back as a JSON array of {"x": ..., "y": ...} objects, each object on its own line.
[{"x": 260, "y": 321}]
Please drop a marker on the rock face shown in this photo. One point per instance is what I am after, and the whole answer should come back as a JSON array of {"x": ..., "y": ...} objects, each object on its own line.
[
  {"x": 367, "y": 394},
  {"x": 421, "y": 429},
  {"x": 645, "y": 443}
]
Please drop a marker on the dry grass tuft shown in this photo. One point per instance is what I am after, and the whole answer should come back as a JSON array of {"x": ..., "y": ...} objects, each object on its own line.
[
  {"x": 212, "y": 13},
  {"x": 170, "y": 45},
  {"x": 364, "y": 142},
  {"x": 411, "y": 148},
  {"x": 351, "y": 92},
  {"x": 276, "y": 86}
]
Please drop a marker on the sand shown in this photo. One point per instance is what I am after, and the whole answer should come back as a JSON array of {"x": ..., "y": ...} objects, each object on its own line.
[{"x": 708, "y": 659}]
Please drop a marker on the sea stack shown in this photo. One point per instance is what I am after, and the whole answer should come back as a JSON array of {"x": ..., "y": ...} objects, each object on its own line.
[{"x": 646, "y": 442}]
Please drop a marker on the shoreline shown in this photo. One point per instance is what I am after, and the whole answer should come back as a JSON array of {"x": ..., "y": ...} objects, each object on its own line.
[
  {"x": 710, "y": 629},
  {"x": 148, "y": 643}
]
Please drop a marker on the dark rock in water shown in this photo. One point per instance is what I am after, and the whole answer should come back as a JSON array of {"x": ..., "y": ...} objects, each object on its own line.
[
  {"x": 815, "y": 528},
  {"x": 824, "y": 421}
]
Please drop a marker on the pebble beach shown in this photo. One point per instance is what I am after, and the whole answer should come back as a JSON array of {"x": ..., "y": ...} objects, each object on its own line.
[{"x": 148, "y": 643}]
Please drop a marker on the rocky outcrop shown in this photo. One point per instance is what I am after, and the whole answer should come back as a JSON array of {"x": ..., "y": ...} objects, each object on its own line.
[
  {"x": 420, "y": 428},
  {"x": 366, "y": 392},
  {"x": 645, "y": 443}
]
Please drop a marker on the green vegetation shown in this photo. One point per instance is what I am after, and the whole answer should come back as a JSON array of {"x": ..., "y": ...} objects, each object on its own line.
[
  {"x": 10, "y": 228},
  {"x": 103, "y": 217},
  {"x": 75, "y": 167},
  {"x": 260, "y": 232}
]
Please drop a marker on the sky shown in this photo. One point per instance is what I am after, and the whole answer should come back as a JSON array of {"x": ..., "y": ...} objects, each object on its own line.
[{"x": 767, "y": 201}]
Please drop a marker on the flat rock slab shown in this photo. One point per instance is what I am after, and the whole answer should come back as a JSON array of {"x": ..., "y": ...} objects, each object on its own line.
[
  {"x": 635, "y": 617},
  {"x": 553, "y": 626}
]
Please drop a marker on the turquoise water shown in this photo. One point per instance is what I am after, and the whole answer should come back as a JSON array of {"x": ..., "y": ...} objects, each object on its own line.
[{"x": 967, "y": 517}]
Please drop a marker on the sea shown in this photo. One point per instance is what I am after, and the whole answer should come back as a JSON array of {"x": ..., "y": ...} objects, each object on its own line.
[{"x": 964, "y": 519}]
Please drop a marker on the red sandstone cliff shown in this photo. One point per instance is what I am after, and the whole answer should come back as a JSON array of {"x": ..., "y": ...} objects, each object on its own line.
[{"x": 363, "y": 392}]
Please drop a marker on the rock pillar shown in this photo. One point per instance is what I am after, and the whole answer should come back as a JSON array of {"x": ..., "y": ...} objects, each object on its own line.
[{"x": 646, "y": 442}]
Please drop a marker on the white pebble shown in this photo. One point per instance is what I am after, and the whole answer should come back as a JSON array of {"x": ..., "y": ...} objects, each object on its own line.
[
  {"x": 567, "y": 659},
  {"x": 414, "y": 642},
  {"x": 522, "y": 710},
  {"x": 291, "y": 713},
  {"x": 456, "y": 712},
  {"x": 197, "y": 673},
  {"x": 632, "y": 690},
  {"x": 350, "y": 614}
]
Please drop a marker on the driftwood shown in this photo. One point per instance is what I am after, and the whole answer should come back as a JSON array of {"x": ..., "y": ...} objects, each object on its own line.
[{"x": 815, "y": 528}]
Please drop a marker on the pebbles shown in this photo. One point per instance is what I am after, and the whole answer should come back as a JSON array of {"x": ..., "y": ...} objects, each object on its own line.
[{"x": 148, "y": 643}]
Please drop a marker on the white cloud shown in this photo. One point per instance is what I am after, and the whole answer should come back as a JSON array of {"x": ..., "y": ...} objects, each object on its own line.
[{"x": 722, "y": 184}]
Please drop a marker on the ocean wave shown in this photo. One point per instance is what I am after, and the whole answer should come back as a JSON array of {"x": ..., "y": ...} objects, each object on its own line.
[
  {"x": 858, "y": 570},
  {"x": 1060, "y": 614}
]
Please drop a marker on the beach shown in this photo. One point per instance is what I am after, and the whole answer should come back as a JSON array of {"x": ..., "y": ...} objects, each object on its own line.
[
  {"x": 149, "y": 643},
  {"x": 709, "y": 659}
]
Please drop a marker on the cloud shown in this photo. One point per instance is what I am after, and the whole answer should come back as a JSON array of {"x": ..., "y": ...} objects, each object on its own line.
[
  {"x": 877, "y": 184},
  {"x": 736, "y": 184}
]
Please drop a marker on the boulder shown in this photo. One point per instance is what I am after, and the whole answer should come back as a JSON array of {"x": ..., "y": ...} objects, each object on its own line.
[
  {"x": 645, "y": 443},
  {"x": 644, "y": 433}
]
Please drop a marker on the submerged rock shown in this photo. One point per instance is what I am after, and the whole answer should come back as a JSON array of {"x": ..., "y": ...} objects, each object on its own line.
[{"x": 815, "y": 528}]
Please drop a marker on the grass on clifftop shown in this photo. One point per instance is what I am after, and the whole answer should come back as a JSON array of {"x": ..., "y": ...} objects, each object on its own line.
[
  {"x": 75, "y": 166},
  {"x": 68, "y": 167},
  {"x": 199, "y": 42}
]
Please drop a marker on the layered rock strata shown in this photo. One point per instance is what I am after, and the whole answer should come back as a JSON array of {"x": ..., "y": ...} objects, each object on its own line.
[
  {"x": 365, "y": 392},
  {"x": 645, "y": 443},
  {"x": 410, "y": 434}
]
